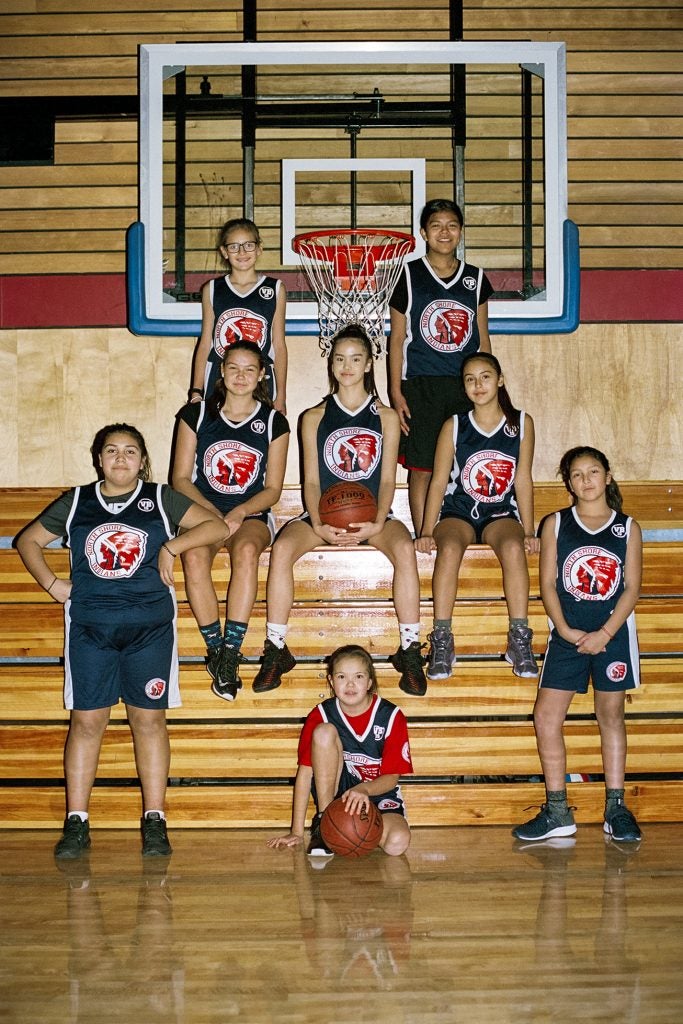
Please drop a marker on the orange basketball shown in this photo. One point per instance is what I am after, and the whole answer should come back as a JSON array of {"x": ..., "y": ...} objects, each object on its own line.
[
  {"x": 345, "y": 503},
  {"x": 351, "y": 835}
]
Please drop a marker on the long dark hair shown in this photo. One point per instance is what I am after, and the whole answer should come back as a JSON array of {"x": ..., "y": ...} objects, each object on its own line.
[
  {"x": 104, "y": 433},
  {"x": 504, "y": 401},
  {"x": 219, "y": 395},
  {"x": 352, "y": 332},
  {"x": 352, "y": 651},
  {"x": 612, "y": 494}
]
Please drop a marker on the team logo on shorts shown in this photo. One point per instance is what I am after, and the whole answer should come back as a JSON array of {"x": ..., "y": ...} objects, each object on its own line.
[
  {"x": 115, "y": 550},
  {"x": 378, "y": 732},
  {"x": 617, "y": 671},
  {"x": 488, "y": 476},
  {"x": 591, "y": 574},
  {"x": 231, "y": 466},
  {"x": 146, "y": 505},
  {"x": 258, "y": 426},
  {"x": 353, "y": 454},
  {"x": 155, "y": 688},
  {"x": 238, "y": 325},
  {"x": 619, "y": 530},
  {"x": 446, "y": 325},
  {"x": 266, "y": 292},
  {"x": 389, "y": 805}
]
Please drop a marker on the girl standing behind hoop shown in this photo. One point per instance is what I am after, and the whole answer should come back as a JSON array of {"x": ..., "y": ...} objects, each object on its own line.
[
  {"x": 348, "y": 436},
  {"x": 241, "y": 305},
  {"x": 230, "y": 457},
  {"x": 483, "y": 467}
]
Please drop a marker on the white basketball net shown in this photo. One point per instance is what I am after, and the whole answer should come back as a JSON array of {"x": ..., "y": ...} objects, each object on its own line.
[{"x": 353, "y": 273}]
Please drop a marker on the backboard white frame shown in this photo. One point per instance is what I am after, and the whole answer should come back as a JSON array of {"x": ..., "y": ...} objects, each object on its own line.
[{"x": 161, "y": 61}]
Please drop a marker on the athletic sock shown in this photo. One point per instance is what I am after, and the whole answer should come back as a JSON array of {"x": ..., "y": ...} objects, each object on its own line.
[
  {"x": 518, "y": 622},
  {"x": 213, "y": 635},
  {"x": 443, "y": 626},
  {"x": 83, "y": 815},
  {"x": 409, "y": 633},
  {"x": 234, "y": 633},
  {"x": 612, "y": 798},
  {"x": 557, "y": 801},
  {"x": 276, "y": 633},
  {"x": 153, "y": 811}
]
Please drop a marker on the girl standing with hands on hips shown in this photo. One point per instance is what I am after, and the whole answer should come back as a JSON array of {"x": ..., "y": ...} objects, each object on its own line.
[
  {"x": 230, "y": 458},
  {"x": 482, "y": 493},
  {"x": 350, "y": 436},
  {"x": 242, "y": 305},
  {"x": 591, "y": 567},
  {"x": 353, "y": 735},
  {"x": 119, "y": 613}
]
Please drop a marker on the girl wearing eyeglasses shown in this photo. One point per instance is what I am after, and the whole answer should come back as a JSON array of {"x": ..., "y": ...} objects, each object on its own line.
[{"x": 243, "y": 305}]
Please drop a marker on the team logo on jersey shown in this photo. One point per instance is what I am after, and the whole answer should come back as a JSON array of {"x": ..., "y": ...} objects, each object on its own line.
[
  {"x": 617, "y": 671},
  {"x": 361, "y": 766},
  {"x": 470, "y": 283},
  {"x": 146, "y": 505},
  {"x": 510, "y": 431},
  {"x": 155, "y": 688},
  {"x": 446, "y": 325},
  {"x": 115, "y": 550},
  {"x": 238, "y": 325},
  {"x": 353, "y": 454},
  {"x": 619, "y": 530},
  {"x": 389, "y": 805},
  {"x": 378, "y": 732},
  {"x": 266, "y": 292},
  {"x": 405, "y": 751},
  {"x": 487, "y": 476},
  {"x": 231, "y": 466},
  {"x": 258, "y": 426},
  {"x": 591, "y": 574}
]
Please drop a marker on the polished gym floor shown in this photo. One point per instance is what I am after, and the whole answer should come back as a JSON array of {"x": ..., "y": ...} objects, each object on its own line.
[{"x": 468, "y": 927}]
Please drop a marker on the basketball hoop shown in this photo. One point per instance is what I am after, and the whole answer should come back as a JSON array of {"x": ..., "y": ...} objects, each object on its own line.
[{"x": 353, "y": 272}]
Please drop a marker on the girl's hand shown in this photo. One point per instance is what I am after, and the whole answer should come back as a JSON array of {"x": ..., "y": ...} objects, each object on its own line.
[
  {"x": 592, "y": 643},
  {"x": 532, "y": 544},
  {"x": 364, "y": 531},
  {"x": 401, "y": 406},
  {"x": 165, "y": 564},
  {"x": 356, "y": 800},
  {"x": 572, "y": 636},
  {"x": 333, "y": 535},
  {"x": 284, "y": 842},
  {"x": 233, "y": 520},
  {"x": 61, "y": 590},
  {"x": 425, "y": 544}
]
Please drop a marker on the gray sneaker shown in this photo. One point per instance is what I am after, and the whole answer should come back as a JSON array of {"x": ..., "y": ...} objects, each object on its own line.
[
  {"x": 545, "y": 825},
  {"x": 441, "y": 654},
  {"x": 519, "y": 653}
]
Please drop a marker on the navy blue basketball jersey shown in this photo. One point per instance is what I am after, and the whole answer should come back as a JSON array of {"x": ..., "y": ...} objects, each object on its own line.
[
  {"x": 241, "y": 318},
  {"x": 482, "y": 480},
  {"x": 114, "y": 553},
  {"x": 231, "y": 458},
  {"x": 441, "y": 319},
  {"x": 363, "y": 754},
  {"x": 350, "y": 445},
  {"x": 590, "y": 567}
]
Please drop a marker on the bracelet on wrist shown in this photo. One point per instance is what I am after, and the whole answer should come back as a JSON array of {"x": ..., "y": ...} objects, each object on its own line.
[
  {"x": 197, "y": 391},
  {"x": 48, "y": 590},
  {"x": 171, "y": 553},
  {"x": 610, "y": 635}
]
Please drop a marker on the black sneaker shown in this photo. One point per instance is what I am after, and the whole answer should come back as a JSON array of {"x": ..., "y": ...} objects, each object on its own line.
[
  {"x": 154, "y": 838},
  {"x": 546, "y": 825},
  {"x": 226, "y": 681},
  {"x": 75, "y": 839},
  {"x": 212, "y": 660},
  {"x": 410, "y": 663},
  {"x": 621, "y": 825},
  {"x": 275, "y": 662},
  {"x": 316, "y": 846}
]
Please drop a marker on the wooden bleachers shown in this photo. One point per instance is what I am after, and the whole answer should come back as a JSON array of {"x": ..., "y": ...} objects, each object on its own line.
[{"x": 472, "y": 738}]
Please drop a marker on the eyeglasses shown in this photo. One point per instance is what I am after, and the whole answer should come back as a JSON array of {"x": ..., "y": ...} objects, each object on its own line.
[{"x": 236, "y": 246}]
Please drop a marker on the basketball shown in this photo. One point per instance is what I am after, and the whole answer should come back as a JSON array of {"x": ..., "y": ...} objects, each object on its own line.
[
  {"x": 351, "y": 835},
  {"x": 345, "y": 503}
]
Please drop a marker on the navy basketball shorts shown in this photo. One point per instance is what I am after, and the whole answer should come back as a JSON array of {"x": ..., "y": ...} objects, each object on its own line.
[
  {"x": 387, "y": 803},
  {"x": 136, "y": 664},
  {"x": 431, "y": 400},
  {"x": 478, "y": 525},
  {"x": 611, "y": 671}
]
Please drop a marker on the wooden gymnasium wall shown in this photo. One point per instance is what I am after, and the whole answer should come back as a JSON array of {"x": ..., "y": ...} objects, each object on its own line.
[{"x": 62, "y": 227}]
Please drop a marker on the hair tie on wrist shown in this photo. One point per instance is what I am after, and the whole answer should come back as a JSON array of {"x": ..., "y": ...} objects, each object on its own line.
[
  {"x": 171, "y": 553},
  {"x": 49, "y": 589},
  {"x": 610, "y": 635}
]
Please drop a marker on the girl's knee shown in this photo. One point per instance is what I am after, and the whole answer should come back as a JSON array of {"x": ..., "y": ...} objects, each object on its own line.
[
  {"x": 396, "y": 837},
  {"x": 325, "y": 736}
]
